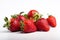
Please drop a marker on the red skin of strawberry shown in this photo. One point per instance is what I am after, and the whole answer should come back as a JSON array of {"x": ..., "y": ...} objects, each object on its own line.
[
  {"x": 14, "y": 25},
  {"x": 12, "y": 19},
  {"x": 31, "y": 13},
  {"x": 20, "y": 17},
  {"x": 32, "y": 19},
  {"x": 29, "y": 26},
  {"x": 42, "y": 25},
  {"x": 52, "y": 21}
]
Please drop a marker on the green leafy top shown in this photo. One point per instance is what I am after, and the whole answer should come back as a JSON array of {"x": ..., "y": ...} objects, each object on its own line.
[
  {"x": 26, "y": 16},
  {"x": 21, "y": 25},
  {"x": 7, "y": 24},
  {"x": 37, "y": 16}
]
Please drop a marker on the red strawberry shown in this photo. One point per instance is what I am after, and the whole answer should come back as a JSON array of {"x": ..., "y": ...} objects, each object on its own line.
[
  {"x": 28, "y": 26},
  {"x": 32, "y": 19},
  {"x": 21, "y": 17},
  {"x": 42, "y": 24},
  {"x": 52, "y": 21},
  {"x": 34, "y": 15},
  {"x": 13, "y": 25},
  {"x": 32, "y": 12},
  {"x": 12, "y": 19}
]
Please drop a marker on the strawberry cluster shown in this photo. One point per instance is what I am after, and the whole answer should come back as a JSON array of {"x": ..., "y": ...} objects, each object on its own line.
[{"x": 30, "y": 22}]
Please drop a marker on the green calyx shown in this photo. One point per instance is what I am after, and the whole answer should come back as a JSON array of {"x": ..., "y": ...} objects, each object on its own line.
[
  {"x": 14, "y": 16},
  {"x": 37, "y": 16},
  {"x": 21, "y": 25},
  {"x": 7, "y": 24},
  {"x": 26, "y": 16},
  {"x": 5, "y": 19}
]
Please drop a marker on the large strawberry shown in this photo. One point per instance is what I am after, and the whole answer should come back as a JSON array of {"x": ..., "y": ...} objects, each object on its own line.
[
  {"x": 52, "y": 21},
  {"x": 12, "y": 25},
  {"x": 42, "y": 24},
  {"x": 33, "y": 14},
  {"x": 28, "y": 26}
]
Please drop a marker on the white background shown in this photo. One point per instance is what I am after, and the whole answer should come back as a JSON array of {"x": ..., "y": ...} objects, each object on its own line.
[{"x": 9, "y": 7}]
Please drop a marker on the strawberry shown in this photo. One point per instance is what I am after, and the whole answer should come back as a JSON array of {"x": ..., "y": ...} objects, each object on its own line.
[
  {"x": 12, "y": 25},
  {"x": 28, "y": 26},
  {"x": 20, "y": 17},
  {"x": 15, "y": 25},
  {"x": 52, "y": 21},
  {"x": 33, "y": 14},
  {"x": 42, "y": 24}
]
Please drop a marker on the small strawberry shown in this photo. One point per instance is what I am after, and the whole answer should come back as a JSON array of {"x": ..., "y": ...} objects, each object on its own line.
[
  {"x": 42, "y": 24},
  {"x": 28, "y": 26},
  {"x": 33, "y": 14},
  {"x": 12, "y": 25},
  {"x": 52, "y": 21}
]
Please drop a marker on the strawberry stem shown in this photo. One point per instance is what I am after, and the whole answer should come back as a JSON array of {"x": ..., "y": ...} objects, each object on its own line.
[{"x": 21, "y": 13}]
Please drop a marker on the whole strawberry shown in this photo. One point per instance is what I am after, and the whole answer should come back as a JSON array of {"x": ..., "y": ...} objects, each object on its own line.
[
  {"x": 28, "y": 26},
  {"x": 34, "y": 15},
  {"x": 52, "y": 21},
  {"x": 12, "y": 25},
  {"x": 42, "y": 25}
]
